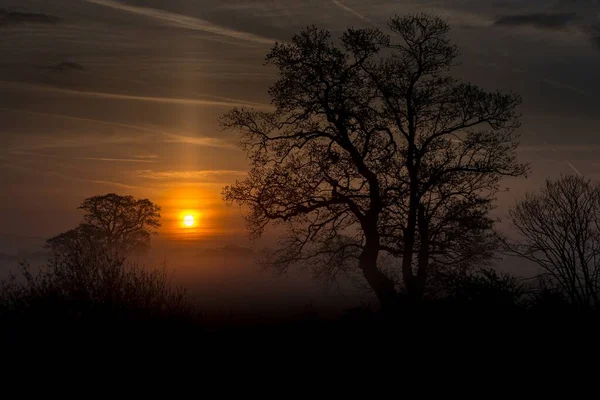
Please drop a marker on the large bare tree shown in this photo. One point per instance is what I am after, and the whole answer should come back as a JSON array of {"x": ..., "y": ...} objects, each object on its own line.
[
  {"x": 559, "y": 230},
  {"x": 374, "y": 148}
]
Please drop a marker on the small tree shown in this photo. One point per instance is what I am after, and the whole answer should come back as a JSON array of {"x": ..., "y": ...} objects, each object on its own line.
[
  {"x": 118, "y": 224},
  {"x": 374, "y": 148},
  {"x": 559, "y": 230}
]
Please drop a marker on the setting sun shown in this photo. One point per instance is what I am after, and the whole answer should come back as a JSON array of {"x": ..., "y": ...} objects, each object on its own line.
[{"x": 189, "y": 221}]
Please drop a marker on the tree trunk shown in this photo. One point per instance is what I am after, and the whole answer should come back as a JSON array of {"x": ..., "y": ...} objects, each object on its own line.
[
  {"x": 410, "y": 280},
  {"x": 423, "y": 256},
  {"x": 381, "y": 284}
]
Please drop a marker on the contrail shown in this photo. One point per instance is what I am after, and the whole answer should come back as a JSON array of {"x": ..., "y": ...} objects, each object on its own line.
[
  {"x": 183, "y": 21},
  {"x": 556, "y": 151},
  {"x": 574, "y": 169},
  {"x": 352, "y": 11}
]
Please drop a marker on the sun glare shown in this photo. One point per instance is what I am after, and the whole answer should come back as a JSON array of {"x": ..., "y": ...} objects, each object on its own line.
[{"x": 189, "y": 221}]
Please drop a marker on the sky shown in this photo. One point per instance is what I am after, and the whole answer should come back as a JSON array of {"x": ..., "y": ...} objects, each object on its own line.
[{"x": 100, "y": 96}]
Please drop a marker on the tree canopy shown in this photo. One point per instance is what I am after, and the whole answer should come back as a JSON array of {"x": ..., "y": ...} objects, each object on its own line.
[
  {"x": 374, "y": 148},
  {"x": 119, "y": 224}
]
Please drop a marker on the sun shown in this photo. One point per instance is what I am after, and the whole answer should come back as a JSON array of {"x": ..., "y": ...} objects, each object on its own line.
[{"x": 189, "y": 221}]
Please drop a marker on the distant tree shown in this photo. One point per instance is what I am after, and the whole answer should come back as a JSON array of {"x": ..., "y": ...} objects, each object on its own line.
[
  {"x": 374, "y": 149},
  {"x": 119, "y": 224},
  {"x": 559, "y": 230}
]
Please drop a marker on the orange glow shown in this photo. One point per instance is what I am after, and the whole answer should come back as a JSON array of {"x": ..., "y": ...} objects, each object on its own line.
[
  {"x": 211, "y": 216},
  {"x": 189, "y": 221},
  {"x": 188, "y": 213}
]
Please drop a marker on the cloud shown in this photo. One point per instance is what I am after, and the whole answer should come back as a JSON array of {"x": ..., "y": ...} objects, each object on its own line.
[
  {"x": 184, "y": 21},
  {"x": 14, "y": 18},
  {"x": 550, "y": 21},
  {"x": 30, "y": 153},
  {"x": 80, "y": 119},
  {"x": 352, "y": 11},
  {"x": 156, "y": 134},
  {"x": 200, "y": 141},
  {"x": 149, "y": 156},
  {"x": 584, "y": 148},
  {"x": 46, "y": 172},
  {"x": 104, "y": 159},
  {"x": 125, "y": 160},
  {"x": 65, "y": 66},
  {"x": 215, "y": 101},
  {"x": 193, "y": 175}
]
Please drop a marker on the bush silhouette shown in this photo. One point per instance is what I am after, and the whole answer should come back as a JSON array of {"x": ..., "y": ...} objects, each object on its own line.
[{"x": 94, "y": 287}]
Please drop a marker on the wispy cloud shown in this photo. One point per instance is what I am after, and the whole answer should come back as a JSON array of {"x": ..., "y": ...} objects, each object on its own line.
[
  {"x": 183, "y": 21},
  {"x": 352, "y": 11},
  {"x": 44, "y": 142},
  {"x": 585, "y": 148},
  {"x": 111, "y": 183},
  {"x": 199, "y": 141},
  {"x": 210, "y": 101},
  {"x": 15, "y": 17},
  {"x": 569, "y": 25},
  {"x": 158, "y": 134},
  {"x": 125, "y": 160},
  {"x": 103, "y": 159},
  {"x": 80, "y": 119},
  {"x": 551, "y": 21},
  {"x": 148, "y": 156},
  {"x": 44, "y": 172},
  {"x": 193, "y": 175},
  {"x": 31, "y": 153}
]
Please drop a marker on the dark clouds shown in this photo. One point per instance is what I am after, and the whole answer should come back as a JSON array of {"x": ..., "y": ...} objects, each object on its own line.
[
  {"x": 13, "y": 18},
  {"x": 65, "y": 66},
  {"x": 579, "y": 22},
  {"x": 552, "y": 21}
]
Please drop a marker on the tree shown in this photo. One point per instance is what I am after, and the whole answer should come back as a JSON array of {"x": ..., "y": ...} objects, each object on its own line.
[
  {"x": 373, "y": 148},
  {"x": 118, "y": 224},
  {"x": 559, "y": 230}
]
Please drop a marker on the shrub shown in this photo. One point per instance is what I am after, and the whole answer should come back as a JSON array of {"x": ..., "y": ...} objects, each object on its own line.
[{"x": 92, "y": 286}]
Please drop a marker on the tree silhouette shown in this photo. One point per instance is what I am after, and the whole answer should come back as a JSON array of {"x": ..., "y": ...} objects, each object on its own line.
[
  {"x": 117, "y": 224},
  {"x": 559, "y": 230},
  {"x": 374, "y": 148}
]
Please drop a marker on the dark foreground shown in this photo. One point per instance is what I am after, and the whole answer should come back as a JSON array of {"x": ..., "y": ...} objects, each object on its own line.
[
  {"x": 101, "y": 304},
  {"x": 411, "y": 329}
]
